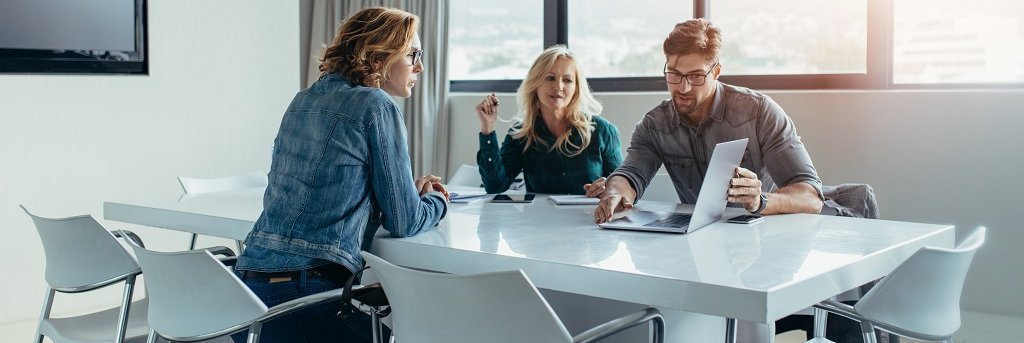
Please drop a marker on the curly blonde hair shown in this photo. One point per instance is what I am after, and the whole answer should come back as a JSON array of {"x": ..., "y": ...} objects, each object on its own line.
[
  {"x": 368, "y": 42},
  {"x": 579, "y": 112}
]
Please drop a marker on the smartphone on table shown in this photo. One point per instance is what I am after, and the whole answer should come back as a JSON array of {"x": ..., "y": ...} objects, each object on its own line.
[
  {"x": 520, "y": 198},
  {"x": 746, "y": 219}
]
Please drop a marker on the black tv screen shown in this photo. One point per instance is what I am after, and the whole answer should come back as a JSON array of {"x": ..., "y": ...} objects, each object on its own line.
[{"x": 73, "y": 36}]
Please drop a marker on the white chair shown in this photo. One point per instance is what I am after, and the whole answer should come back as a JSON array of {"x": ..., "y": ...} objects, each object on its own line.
[
  {"x": 194, "y": 297},
  {"x": 82, "y": 256},
  {"x": 661, "y": 189},
  {"x": 467, "y": 176},
  {"x": 488, "y": 307},
  {"x": 193, "y": 186},
  {"x": 920, "y": 299}
]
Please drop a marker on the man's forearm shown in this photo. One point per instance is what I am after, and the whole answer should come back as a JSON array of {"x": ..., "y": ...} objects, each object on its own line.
[{"x": 799, "y": 197}]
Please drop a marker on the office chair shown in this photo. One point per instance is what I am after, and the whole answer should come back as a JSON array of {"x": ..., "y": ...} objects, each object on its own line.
[
  {"x": 466, "y": 175},
  {"x": 82, "y": 256},
  {"x": 194, "y": 297},
  {"x": 488, "y": 307},
  {"x": 920, "y": 299},
  {"x": 194, "y": 186}
]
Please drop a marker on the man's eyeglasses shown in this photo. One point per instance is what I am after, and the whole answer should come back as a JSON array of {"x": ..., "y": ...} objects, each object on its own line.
[
  {"x": 415, "y": 57},
  {"x": 693, "y": 79}
]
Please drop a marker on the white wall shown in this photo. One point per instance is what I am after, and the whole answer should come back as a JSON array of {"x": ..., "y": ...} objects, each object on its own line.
[
  {"x": 932, "y": 156},
  {"x": 221, "y": 74}
]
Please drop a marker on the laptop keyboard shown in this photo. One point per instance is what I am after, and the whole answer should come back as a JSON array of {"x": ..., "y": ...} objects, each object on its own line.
[{"x": 673, "y": 220}]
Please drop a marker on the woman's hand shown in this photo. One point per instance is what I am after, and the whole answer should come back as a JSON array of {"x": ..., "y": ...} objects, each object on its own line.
[
  {"x": 595, "y": 189},
  {"x": 487, "y": 111},
  {"x": 425, "y": 184}
]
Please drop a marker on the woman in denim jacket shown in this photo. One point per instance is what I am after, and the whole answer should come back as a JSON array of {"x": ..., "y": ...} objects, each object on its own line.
[{"x": 340, "y": 170}]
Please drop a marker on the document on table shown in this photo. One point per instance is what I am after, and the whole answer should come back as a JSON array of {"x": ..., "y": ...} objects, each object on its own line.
[
  {"x": 574, "y": 200},
  {"x": 467, "y": 197}
]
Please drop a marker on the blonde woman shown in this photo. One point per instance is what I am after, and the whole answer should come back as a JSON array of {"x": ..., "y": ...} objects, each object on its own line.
[
  {"x": 559, "y": 142},
  {"x": 340, "y": 170}
]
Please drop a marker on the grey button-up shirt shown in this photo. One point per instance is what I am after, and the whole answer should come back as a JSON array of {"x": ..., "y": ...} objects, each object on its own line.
[{"x": 774, "y": 150}]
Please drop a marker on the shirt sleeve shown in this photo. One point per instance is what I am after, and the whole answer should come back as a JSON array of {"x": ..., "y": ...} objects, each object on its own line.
[
  {"x": 782, "y": 150},
  {"x": 404, "y": 212},
  {"x": 498, "y": 166},
  {"x": 642, "y": 158}
]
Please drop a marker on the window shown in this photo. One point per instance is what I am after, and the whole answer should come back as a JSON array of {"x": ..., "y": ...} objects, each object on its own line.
[
  {"x": 945, "y": 42},
  {"x": 792, "y": 36},
  {"x": 782, "y": 44},
  {"x": 493, "y": 39},
  {"x": 613, "y": 40}
]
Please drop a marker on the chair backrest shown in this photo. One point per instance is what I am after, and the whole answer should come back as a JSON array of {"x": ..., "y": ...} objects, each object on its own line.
[
  {"x": 193, "y": 185},
  {"x": 80, "y": 254},
  {"x": 488, "y": 307},
  {"x": 192, "y": 296},
  {"x": 851, "y": 200},
  {"x": 923, "y": 294},
  {"x": 661, "y": 188},
  {"x": 466, "y": 175}
]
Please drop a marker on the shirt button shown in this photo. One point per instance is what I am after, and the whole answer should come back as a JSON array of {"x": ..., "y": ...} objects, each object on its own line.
[
  {"x": 488, "y": 159},
  {"x": 488, "y": 141},
  {"x": 563, "y": 174}
]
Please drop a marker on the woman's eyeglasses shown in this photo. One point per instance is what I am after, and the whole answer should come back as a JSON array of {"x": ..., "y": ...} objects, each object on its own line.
[{"x": 415, "y": 57}]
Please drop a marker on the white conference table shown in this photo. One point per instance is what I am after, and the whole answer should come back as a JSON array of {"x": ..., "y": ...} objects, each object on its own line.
[{"x": 758, "y": 273}]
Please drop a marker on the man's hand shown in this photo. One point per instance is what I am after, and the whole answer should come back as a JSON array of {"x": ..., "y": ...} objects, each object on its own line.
[
  {"x": 618, "y": 196},
  {"x": 745, "y": 189}
]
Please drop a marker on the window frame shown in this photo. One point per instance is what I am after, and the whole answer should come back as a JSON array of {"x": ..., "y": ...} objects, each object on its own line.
[{"x": 879, "y": 54}]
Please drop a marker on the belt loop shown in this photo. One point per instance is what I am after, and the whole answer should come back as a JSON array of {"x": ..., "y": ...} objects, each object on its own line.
[{"x": 302, "y": 278}]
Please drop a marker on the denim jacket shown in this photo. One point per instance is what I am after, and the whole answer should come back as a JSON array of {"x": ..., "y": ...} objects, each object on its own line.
[{"x": 340, "y": 170}]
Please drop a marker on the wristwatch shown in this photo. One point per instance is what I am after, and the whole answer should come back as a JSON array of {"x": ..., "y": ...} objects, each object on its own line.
[{"x": 764, "y": 202}]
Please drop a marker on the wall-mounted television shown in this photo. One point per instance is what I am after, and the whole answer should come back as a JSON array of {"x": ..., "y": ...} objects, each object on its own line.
[{"x": 73, "y": 37}]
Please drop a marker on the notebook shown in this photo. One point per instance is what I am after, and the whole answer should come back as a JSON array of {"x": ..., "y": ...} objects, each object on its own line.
[
  {"x": 710, "y": 202},
  {"x": 574, "y": 200},
  {"x": 466, "y": 196}
]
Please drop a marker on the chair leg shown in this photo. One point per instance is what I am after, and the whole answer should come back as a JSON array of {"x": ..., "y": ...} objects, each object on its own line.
[
  {"x": 820, "y": 322},
  {"x": 375, "y": 321},
  {"x": 47, "y": 305},
  {"x": 867, "y": 330},
  {"x": 152, "y": 336},
  {"x": 254, "y": 332},
  {"x": 192, "y": 243},
  {"x": 658, "y": 324},
  {"x": 730, "y": 330},
  {"x": 126, "y": 304},
  {"x": 240, "y": 247}
]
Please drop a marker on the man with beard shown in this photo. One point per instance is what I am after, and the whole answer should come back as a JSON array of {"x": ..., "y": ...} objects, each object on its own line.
[{"x": 776, "y": 175}]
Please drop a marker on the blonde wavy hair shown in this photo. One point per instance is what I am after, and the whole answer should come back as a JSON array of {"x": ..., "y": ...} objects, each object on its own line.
[
  {"x": 368, "y": 42},
  {"x": 581, "y": 109}
]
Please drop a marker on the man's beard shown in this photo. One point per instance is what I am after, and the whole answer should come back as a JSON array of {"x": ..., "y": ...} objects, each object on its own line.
[{"x": 684, "y": 107}]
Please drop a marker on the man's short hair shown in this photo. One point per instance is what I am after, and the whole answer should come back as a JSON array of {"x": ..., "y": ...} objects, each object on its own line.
[{"x": 694, "y": 36}]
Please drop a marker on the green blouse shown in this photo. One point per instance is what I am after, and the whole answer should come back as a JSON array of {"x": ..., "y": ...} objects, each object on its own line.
[{"x": 546, "y": 170}]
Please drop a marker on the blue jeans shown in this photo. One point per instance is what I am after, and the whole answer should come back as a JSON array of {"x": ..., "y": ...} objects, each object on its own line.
[{"x": 319, "y": 323}]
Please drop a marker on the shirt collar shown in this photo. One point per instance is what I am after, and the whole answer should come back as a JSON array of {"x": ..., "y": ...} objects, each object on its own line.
[{"x": 717, "y": 112}]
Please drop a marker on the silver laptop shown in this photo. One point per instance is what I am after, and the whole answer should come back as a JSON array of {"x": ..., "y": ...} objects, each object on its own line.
[{"x": 711, "y": 201}]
